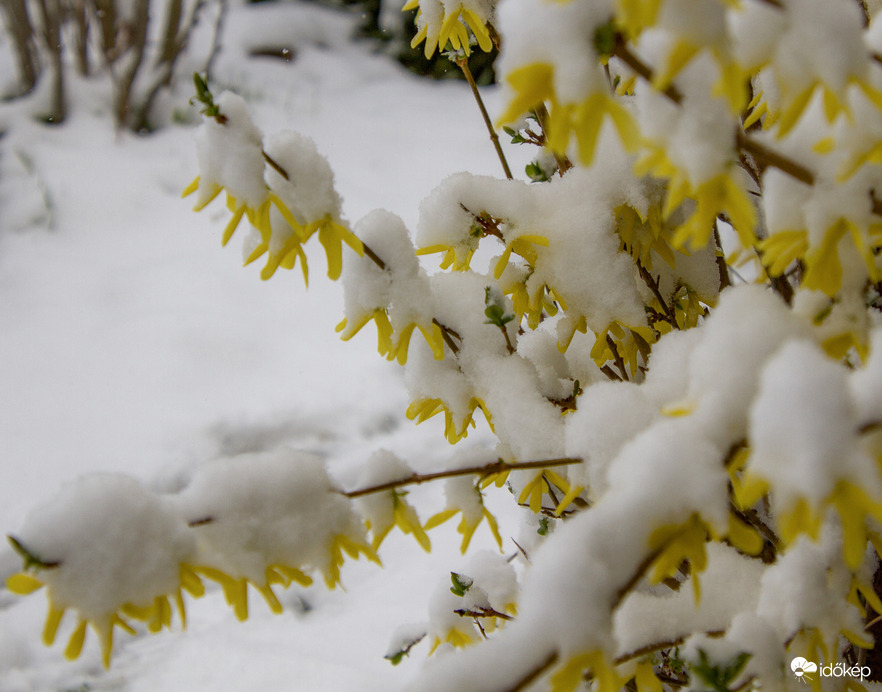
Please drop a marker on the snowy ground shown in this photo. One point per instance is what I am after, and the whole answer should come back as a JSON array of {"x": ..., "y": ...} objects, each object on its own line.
[{"x": 130, "y": 341}]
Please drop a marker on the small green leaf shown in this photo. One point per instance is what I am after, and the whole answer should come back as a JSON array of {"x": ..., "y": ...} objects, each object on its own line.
[
  {"x": 822, "y": 315},
  {"x": 605, "y": 39},
  {"x": 29, "y": 558},
  {"x": 204, "y": 96},
  {"x": 494, "y": 312},
  {"x": 718, "y": 676},
  {"x": 535, "y": 173},
  {"x": 461, "y": 584},
  {"x": 543, "y": 526}
]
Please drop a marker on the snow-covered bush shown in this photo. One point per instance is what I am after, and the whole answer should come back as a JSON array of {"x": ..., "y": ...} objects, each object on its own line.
[{"x": 675, "y": 337}]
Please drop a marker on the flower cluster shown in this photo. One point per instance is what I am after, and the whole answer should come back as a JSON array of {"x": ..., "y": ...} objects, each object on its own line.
[
  {"x": 112, "y": 551},
  {"x": 284, "y": 188}
]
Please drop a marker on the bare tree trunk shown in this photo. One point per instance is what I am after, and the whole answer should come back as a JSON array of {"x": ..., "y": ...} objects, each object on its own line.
[
  {"x": 138, "y": 29},
  {"x": 168, "y": 47},
  {"x": 50, "y": 14},
  {"x": 222, "y": 7},
  {"x": 81, "y": 35},
  {"x": 172, "y": 47},
  {"x": 105, "y": 13},
  {"x": 15, "y": 13}
]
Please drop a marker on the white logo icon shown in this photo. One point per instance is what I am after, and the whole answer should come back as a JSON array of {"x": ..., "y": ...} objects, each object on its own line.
[{"x": 801, "y": 668}]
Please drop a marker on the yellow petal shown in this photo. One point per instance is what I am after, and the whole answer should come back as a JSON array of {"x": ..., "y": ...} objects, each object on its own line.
[
  {"x": 532, "y": 85},
  {"x": 646, "y": 679},
  {"x": 75, "y": 643},
  {"x": 793, "y": 112},
  {"x": 294, "y": 575},
  {"x": 191, "y": 188},
  {"x": 267, "y": 592},
  {"x": 232, "y": 225},
  {"x": 440, "y": 518},
  {"x": 743, "y": 537},
  {"x": 494, "y": 527},
  {"x": 333, "y": 251},
  {"x": 23, "y": 584},
  {"x": 191, "y": 582},
  {"x": 53, "y": 620},
  {"x": 467, "y": 530},
  {"x": 105, "y": 639}
]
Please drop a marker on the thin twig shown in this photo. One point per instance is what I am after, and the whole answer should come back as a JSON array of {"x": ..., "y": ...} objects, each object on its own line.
[
  {"x": 202, "y": 521},
  {"x": 722, "y": 267},
  {"x": 648, "y": 649},
  {"x": 617, "y": 358},
  {"x": 626, "y": 588},
  {"x": 606, "y": 370},
  {"x": 373, "y": 256},
  {"x": 482, "y": 613},
  {"x": 870, "y": 426},
  {"x": 732, "y": 454},
  {"x": 653, "y": 285},
  {"x": 448, "y": 335},
  {"x": 484, "y": 471},
  {"x": 275, "y": 166},
  {"x": 463, "y": 64},
  {"x": 763, "y": 154},
  {"x": 508, "y": 344},
  {"x": 523, "y": 552},
  {"x": 623, "y": 53},
  {"x": 563, "y": 162},
  {"x": 752, "y": 518}
]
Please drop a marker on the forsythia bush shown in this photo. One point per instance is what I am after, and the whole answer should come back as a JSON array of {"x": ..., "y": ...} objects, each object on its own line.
[{"x": 674, "y": 333}]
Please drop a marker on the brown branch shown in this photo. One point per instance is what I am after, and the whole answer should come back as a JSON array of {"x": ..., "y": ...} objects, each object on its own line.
[
  {"x": 722, "y": 267},
  {"x": 752, "y": 518},
  {"x": 763, "y": 154},
  {"x": 869, "y": 427},
  {"x": 563, "y": 162},
  {"x": 482, "y": 613},
  {"x": 617, "y": 358},
  {"x": 488, "y": 224},
  {"x": 653, "y": 285},
  {"x": 551, "y": 512},
  {"x": 203, "y": 521},
  {"x": 523, "y": 552},
  {"x": 276, "y": 166},
  {"x": 623, "y": 53},
  {"x": 463, "y": 64},
  {"x": 448, "y": 335},
  {"x": 484, "y": 471},
  {"x": 733, "y": 452},
  {"x": 648, "y": 649},
  {"x": 606, "y": 370},
  {"x": 373, "y": 256},
  {"x": 626, "y": 588}
]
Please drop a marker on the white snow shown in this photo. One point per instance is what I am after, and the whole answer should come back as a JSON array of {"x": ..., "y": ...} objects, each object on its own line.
[{"x": 132, "y": 343}]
